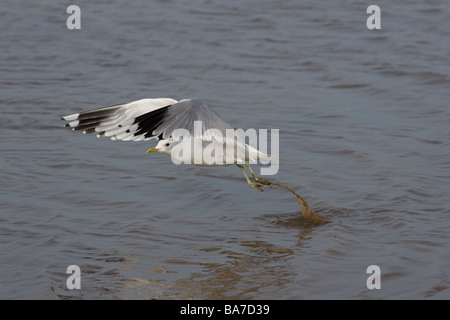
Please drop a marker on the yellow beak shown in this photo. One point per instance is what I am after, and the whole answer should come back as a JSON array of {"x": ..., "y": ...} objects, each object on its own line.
[{"x": 152, "y": 150}]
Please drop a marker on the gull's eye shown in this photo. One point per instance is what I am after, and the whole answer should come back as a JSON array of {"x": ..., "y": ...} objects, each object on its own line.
[{"x": 167, "y": 144}]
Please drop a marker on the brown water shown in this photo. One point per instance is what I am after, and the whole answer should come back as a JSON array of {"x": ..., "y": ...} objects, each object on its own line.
[{"x": 364, "y": 137}]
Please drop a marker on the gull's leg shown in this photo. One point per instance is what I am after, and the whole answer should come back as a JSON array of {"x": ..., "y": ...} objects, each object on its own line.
[
  {"x": 262, "y": 181},
  {"x": 306, "y": 211},
  {"x": 254, "y": 185}
]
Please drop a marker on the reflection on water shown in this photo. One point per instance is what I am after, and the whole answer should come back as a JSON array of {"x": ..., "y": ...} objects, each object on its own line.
[{"x": 258, "y": 268}]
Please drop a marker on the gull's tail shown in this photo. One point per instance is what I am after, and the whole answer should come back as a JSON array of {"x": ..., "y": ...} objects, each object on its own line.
[{"x": 256, "y": 155}]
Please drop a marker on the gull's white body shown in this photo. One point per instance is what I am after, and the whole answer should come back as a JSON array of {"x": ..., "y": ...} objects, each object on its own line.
[{"x": 210, "y": 153}]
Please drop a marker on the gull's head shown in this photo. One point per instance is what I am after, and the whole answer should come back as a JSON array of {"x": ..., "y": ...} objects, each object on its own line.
[{"x": 164, "y": 146}]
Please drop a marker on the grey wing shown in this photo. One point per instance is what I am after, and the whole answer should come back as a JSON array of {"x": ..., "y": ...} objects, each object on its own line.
[
  {"x": 148, "y": 119},
  {"x": 185, "y": 114}
]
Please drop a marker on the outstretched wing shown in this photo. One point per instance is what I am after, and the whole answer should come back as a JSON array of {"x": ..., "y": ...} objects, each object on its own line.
[
  {"x": 147, "y": 119},
  {"x": 184, "y": 114}
]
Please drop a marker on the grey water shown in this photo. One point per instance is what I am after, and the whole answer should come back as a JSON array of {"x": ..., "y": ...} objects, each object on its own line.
[{"x": 364, "y": 122}]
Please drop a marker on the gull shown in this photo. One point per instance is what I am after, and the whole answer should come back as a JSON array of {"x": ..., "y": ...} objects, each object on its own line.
[
  {"x": 173, "y": 123},
  {"x": 184, "y": 129}
]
